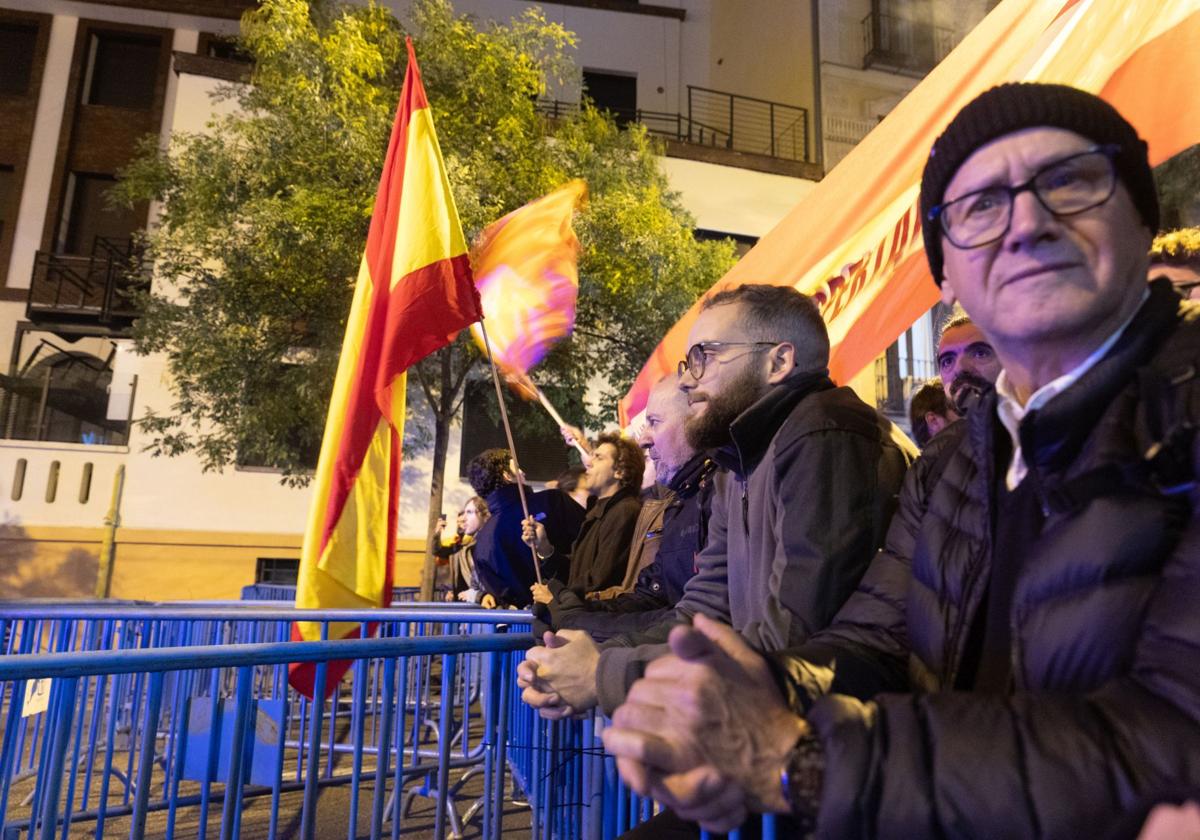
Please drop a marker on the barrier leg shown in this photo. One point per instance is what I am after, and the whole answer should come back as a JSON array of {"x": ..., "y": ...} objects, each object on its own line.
[
  {"x": 444, "y": 723},
  {"x": 308, "y": 827},
  {"x": 146, "y": 756},
  {"x": 64, "y": 707},
  {"x": 231, "y": 809}
]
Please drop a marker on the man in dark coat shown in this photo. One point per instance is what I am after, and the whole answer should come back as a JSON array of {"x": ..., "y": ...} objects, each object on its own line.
[
  {"x": 597, "y": 557},
  {"x": 1023, "y": 658},
  {"x": 812, "y": 476},
  {"x": 503, "y": 562}
]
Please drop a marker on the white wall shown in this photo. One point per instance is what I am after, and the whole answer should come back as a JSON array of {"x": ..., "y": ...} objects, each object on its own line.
[{"x": 732, "y": 200}]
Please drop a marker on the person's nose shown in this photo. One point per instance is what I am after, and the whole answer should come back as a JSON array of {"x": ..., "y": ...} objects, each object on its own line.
[{"x": 1030, "y": 222}]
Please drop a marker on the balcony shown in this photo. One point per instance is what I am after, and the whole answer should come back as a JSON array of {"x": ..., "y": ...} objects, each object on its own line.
[
  {"x": 899, "y": 44},
  {"x": 719, "y": 120},
  {"x": 94, "y": 291}
]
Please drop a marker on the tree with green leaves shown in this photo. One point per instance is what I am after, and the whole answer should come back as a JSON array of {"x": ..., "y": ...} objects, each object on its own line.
[{"x": 264, "y": 217}]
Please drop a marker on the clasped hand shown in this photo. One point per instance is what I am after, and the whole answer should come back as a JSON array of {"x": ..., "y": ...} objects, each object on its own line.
[
  {"x": 705, "y": 731},
  {"x": 559, "y": 680}
]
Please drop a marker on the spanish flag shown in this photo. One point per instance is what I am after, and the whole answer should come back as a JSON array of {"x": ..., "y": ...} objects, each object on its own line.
[{"x": 414, "y": 293}]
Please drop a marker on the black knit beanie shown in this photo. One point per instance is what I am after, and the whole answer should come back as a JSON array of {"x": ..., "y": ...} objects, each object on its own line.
[{"x": 1017, "y": 105}]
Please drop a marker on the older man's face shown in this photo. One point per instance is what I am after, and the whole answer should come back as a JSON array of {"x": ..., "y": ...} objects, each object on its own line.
[
  {"x": 1050, "y": 278},
  {"x": 663, "y": 437}
]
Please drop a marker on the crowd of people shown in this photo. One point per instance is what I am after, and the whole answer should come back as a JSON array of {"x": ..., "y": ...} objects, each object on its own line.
[{"x": 995, "y": 636}]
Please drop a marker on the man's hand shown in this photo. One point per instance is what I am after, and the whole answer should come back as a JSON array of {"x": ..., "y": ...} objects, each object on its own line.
[
  {"x": 488, "y": 601},
  {"x": 541, "y": 593},
  {"x": 573, "y": 436},
  {"x": 533, "y": 534},
  {"x": 706, "y": 731},
  {"x": 559, "y": 680}
]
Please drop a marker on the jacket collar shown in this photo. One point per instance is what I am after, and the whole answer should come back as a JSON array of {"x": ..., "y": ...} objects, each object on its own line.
[
  {"x": 600, "y": 506},
  {"x": 502, "y": 496},
  {"x": 692, "y": 475},
  {"x": 752, "y": 430},
  {"x": 1052, "y": 436}
]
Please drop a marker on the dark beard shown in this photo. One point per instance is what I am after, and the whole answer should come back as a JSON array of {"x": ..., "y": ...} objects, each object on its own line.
[
  {"x": 711, "y": 429},
  {"x": 966, "y": 391}
]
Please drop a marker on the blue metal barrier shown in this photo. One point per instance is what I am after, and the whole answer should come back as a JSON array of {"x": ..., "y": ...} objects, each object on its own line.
[
  {"x": 287, "y": 592},
  {"x": 157, "y": 711},
  {"x": 120, "y": 733}
]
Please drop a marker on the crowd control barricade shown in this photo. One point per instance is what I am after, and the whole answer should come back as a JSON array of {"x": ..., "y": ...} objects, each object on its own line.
[
  {"x": 119, "y": 716},
  {"x": 149, "y": 723}
]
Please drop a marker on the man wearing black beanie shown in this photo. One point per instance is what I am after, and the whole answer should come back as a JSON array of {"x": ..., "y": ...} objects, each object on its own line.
[{"x": 1022, "y": 659}]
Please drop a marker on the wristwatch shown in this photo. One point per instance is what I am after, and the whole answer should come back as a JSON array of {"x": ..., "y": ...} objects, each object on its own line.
[{"x": 801, "y": 778}]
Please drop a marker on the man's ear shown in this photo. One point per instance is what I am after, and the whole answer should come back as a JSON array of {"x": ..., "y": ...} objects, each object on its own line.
[
  {"x": 781, "y": 361},
  {"x": 948, "y": 296}
]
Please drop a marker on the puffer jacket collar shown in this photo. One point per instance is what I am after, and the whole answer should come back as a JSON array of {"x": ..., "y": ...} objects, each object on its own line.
[
  {"x": 753, "y": 429},
  {"x": 1052, "y": 436}
]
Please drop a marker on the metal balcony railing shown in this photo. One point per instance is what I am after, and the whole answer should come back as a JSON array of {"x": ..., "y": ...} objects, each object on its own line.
[
  {"x": 721, "y": 120},
  {"x": 97, "y": 289},
  {"x": 903, "y": 45}
]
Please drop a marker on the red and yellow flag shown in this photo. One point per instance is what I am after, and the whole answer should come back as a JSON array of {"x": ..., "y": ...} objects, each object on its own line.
[
  {"x": 526, "y": 270},
  {"x": 854, "y": 242},
  {"x": 414, "y": 293}
]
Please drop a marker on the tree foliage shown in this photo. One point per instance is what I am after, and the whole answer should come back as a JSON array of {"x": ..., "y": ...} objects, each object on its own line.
[{"x": 264, "y": 217}]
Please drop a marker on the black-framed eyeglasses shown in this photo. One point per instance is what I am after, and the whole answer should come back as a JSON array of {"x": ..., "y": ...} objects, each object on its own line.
[
  {"x": 697, "y": 354},
  {"x": 1064, "y": 187}
]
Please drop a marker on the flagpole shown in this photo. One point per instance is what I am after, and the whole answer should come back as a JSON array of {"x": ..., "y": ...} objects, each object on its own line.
[
  {"x": 512, "y": 449},
  {"x": 562, "y": 424}
]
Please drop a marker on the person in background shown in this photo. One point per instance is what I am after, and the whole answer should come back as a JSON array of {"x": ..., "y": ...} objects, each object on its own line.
[
  {"x": 966, "y": 362},
  {"x": 464, "y": 582},
  {"x": 1176, "y": 256},
  {"x": 503, "y": 563},
  {"x": 597, "y": 557},
  {"x": 930, "y": 411}
]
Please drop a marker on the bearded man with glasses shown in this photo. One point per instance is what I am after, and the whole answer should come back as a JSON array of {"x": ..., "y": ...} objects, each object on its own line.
[
  {"x": 812, "y": 475},
  {"x": 1023, "y": 657}
]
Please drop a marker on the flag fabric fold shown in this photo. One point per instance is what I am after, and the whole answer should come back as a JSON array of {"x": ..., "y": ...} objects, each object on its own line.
[
  {"x": 854, "y": 241},
  {"x": 526, "y": 270},
  {"x": 413, "y": 294}
]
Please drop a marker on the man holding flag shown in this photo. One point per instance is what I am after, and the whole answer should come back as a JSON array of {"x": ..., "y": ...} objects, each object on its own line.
[{"x": 414, "y": 293}]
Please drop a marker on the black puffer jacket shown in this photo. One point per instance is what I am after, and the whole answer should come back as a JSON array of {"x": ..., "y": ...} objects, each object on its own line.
[{"x": 1105, "y": 624}]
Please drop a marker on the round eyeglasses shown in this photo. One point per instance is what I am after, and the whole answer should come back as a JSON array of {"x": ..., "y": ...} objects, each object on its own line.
[
  {"x": 697, "y": 354},
  {"x": 1064, "y": 187}
]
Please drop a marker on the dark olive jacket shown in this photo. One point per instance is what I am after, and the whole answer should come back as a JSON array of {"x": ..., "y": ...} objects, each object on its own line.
[
  {"x": 1105, "y": 621},
  {"x": 812, "y": 477}
]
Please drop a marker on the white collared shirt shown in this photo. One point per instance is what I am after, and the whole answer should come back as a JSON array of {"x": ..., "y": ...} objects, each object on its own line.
[{"x": 1011, "y": 412}]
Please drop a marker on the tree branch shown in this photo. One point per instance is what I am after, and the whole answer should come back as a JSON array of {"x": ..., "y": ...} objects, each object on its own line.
[
  {"x": 426, "y": 387},
  {"x": 622, "y": 342}
]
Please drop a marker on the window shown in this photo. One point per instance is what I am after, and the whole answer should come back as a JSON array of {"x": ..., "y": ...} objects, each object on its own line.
[
  {"x": 63, "y": 398},
  {"x": 122, "y": 70},
  {"x": 18, "y": 43},
  {"x": 540, "y": 446},
  {"x": 282, "y": 571},
  {"x": 615, "y": 92},
  {"x": 89, "y": 215}
]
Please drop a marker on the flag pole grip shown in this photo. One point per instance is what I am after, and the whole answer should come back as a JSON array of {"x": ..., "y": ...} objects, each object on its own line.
[{"x": 512, "y": 449}]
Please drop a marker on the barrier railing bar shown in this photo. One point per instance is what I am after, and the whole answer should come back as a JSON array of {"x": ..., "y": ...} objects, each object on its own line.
[
  {"x": 85, "y": 664},
  {"x": 412, "y": 612}
]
